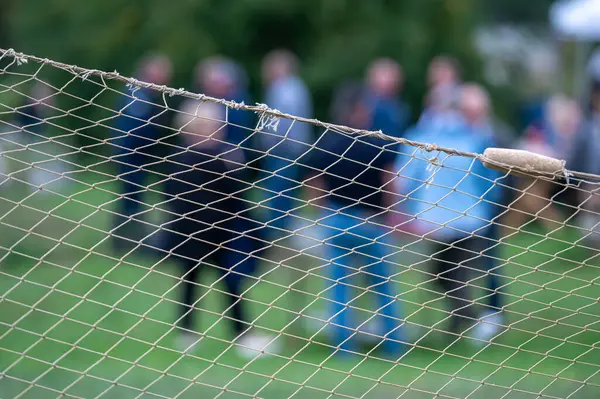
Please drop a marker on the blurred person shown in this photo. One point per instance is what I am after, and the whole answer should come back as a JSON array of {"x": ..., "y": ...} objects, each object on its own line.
[
  {"x": 222, "y": 78},
  {"x": 441, "y": 101},
  {"x": 541, "y": 83},
  {"x": 564, "y": 122},
  {"x": 286, "y": 92},
  {"x": 32, "y": 119},
  {"x": 586, "y": 150},
  {"x": 36, "y": 107},
  {"x": 385, "y": 80},
  {"x": 587, "y": 141},
  {"x": 474, "y": 104},
  {"x": 352, "y": 204},
  {"x": 444, "y": 198},
  {"x": 443, "y": 71},
  {"x": 555, "y": 137},
  {"x": 441, "y": 109},
  {"x": 141, "y": 124},
  {"x": 204, "y": 190}
]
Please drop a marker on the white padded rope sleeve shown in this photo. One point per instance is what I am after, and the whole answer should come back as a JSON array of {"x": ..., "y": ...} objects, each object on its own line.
[{"x": 523, "y": 163}]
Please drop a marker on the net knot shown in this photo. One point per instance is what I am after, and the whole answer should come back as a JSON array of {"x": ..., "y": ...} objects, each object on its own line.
[
  {"x": 86, "y": 74},
  {"x": 266, "y": 120},
  {"x": 433, "y": 164},
  {"x": 237, "y": 106},
  {"x": 565, "y": 172},
  {"x": 177, "y": 92},
  {"x": 20, "y": 58},
  {"x": 133, "y": 84},
  {"x": 431, "y": 147}
]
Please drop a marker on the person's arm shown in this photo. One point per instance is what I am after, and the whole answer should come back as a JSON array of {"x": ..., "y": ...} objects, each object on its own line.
[
  {"x": 316, "y": 189},
  {"x": 396, "y": 187},
  {"x": 316, "y": 162}
]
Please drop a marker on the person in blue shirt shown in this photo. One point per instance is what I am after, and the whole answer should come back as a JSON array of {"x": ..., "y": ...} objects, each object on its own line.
[
  {"x": 282, "y": 145},
  {"x": 451, "y": 200},
  {"x": 142, "y": 122},
  {"x": 475, "y": 107},
  {"x": 349, "y": 171}
]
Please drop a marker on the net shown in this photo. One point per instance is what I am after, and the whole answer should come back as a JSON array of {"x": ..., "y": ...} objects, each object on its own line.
[{"x": 160, "y": 243}]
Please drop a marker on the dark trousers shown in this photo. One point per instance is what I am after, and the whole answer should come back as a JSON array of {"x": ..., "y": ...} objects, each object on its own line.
[
  {"x": 492, "y": 254},
  {"x": 233, "y": 287},
  {"x": 454, "y": 264},
  {"x": 219, "y": 249}
]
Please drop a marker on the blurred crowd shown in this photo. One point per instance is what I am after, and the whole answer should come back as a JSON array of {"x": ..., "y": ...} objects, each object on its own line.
[{"x": 364, "y": 195}]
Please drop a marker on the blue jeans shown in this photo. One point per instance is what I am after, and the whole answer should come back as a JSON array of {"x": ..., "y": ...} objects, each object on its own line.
[
  {"x": 355, "y": 247},
  {"x": 280, "y": 191}
]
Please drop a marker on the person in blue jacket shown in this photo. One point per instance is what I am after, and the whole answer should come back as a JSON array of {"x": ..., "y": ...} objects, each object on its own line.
[
  {"x": 143, "y": 120},
  {"x": 281, "y": 146},
  {"x": 451, "y": 201}
]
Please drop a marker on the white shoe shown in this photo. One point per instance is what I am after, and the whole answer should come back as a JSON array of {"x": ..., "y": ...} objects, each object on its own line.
[
  {"x": 256, "y": 344},
  {"x": 491, "y": 324},
  {"x": 187, "y": 341}
]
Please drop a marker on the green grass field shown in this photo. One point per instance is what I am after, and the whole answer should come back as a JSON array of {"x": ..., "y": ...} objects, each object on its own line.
[{"x": 76, "y": 320}]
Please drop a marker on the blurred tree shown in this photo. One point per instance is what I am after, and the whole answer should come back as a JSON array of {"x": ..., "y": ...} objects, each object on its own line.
[
  {"x": 336, "y": 39},
  {"x": 534, "y": 12}
]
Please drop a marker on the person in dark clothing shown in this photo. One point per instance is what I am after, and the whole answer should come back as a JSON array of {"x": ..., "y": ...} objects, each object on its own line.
[
  {"x": 142, "y": 122},
  {"x": 221, "y": 77},
  {"x": 206, "y": 198},
  {"x": 351, "y": 172}
]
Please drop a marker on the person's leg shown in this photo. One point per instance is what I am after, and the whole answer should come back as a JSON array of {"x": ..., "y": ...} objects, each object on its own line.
[
  {"x": 339, "y": 247},
  {"x": 452, "y": 276},
  {"x": 190, "y": 250},
  {"x": 191, "y": 273},
  {"x": 131, "y": 180},
  {"x": 487, "y": 268},
  {"x": 340, "y": 313},
  {"x": 379, "y": 274},
  {"x": 490, "y": 263},
  {"x": 237, "y": 265},
  {"x": 235, "y": 304}
]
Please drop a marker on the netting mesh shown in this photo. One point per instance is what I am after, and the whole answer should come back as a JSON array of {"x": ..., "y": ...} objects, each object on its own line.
[{"x": 159, "y": 243}]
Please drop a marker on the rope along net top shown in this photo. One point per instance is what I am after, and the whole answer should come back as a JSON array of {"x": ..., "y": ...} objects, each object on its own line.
[{"x": 160, "y": 243}]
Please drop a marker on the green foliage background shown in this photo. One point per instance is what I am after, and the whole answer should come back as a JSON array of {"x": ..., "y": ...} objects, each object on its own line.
[{"x": 336, "y": 39}]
